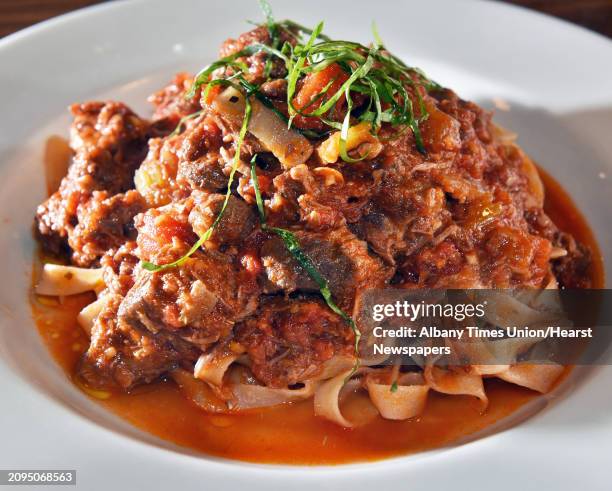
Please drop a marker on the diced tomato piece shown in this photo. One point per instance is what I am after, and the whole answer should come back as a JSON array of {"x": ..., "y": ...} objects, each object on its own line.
[{"x": 313, "y": 85}]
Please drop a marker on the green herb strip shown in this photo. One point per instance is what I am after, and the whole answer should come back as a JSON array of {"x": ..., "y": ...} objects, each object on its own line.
[
  {"x": 293, "y": 246},
  {"x": 267, "y": 11},
  {"x": 272, "y": 31}
]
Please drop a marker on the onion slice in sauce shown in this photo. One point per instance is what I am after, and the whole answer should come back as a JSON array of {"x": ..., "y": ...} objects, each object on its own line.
[{"x": 288, "y": 146}]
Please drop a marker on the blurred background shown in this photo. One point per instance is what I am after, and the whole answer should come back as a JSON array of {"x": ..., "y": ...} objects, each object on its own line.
[{"x": 592, "y": 14}]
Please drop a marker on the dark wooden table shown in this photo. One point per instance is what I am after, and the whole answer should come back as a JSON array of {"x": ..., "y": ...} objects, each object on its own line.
[{"x": 593, "y": 14}]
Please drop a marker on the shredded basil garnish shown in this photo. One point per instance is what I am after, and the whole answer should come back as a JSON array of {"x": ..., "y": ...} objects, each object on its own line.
[
  {"x": 372, "y": 72},
  {"x": 273, "y": 32},
  {"x": 267, "y": 11}
]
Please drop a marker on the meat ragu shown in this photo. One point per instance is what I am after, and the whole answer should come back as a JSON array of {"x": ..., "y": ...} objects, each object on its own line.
[{"x": 229, "y": 237}]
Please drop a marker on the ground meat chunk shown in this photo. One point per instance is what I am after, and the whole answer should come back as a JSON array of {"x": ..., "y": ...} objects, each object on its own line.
[
  {"x": 120, "y": 355},
  {"x": 338, "y": 255},
  {"x": 104, "y": 224},
  {"x": 199, "y": 301},
  {"x": 289, "y": 340}
]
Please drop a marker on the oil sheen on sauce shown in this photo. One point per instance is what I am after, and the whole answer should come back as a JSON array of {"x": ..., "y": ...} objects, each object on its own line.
[{"x": 291, "y": 434}]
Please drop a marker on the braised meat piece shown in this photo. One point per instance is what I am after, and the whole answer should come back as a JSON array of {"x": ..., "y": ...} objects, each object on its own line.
[
  {"x": 574, "y": 269},
  {"x": 109, "y": 142},
  {"x": 187, "y": 160},
  {"x": 289, "y": 340},
  {"x": 200, "y": 165},
  {"x": 54, "y": 218},
  {"x": 237, "y": 222},
  {"x": 342, "y": 259},
  {"x": 104, "y": 224},
  {"x": 470, "y": 215},
  {"x": 514, "y": 257},
  {"x": 165, "y": 319},
  {"x": 322, "y": 198},
  {"x": 382, "y": 235},
  {"x": 275, "y": 89},
  {"x": 203, "y": 174},
  {"x": 198, "y": 301},
  {"x": 120, "y": 355}
]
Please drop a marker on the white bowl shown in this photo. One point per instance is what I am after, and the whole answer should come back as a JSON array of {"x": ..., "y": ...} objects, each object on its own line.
[{"x": 557, "y": 79}]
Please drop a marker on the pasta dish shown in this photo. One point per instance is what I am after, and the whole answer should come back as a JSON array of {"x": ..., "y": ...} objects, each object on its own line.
[{"x": 221, "y": 246}]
